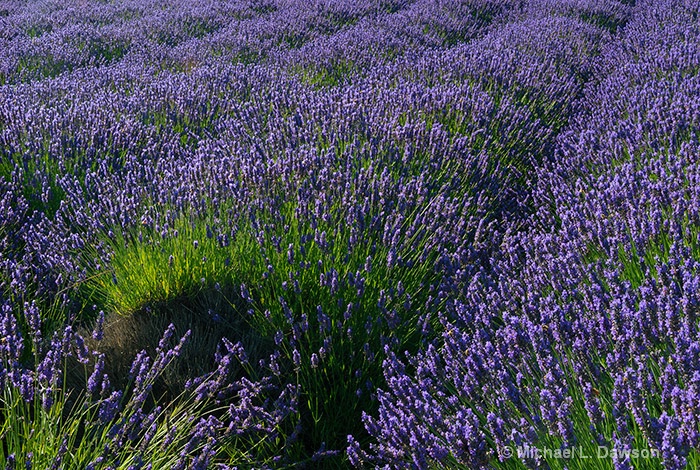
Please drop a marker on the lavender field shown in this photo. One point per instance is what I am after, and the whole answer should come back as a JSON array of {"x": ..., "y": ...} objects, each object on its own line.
[{"x": 390, "y": 234}]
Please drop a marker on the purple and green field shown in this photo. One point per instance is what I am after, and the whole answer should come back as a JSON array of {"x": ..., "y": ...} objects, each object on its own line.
[{"x": 420, "y": 234}]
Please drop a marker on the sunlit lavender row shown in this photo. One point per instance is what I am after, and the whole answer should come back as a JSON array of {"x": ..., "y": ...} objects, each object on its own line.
[{"x": 381, "y": 234}]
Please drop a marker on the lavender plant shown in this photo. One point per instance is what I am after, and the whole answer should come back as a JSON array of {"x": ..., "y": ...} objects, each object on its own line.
[{"x": 572, "y": 342}]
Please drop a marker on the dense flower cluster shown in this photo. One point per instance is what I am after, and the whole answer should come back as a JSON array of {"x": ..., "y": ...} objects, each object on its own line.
[
  {"x": 588, "y": 323},
  {"x": 436, "y": 229}
]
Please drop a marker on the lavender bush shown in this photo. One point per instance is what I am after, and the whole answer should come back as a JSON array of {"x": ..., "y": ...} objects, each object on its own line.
[
  {"x": 396, "y": 234},
  {"x": 581, "y": 336}
]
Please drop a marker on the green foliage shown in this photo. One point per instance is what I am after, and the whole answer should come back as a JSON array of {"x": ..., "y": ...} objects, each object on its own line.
[
  {"x": 148, "y": 270},
  {"x": 39, "y": 186},
  {"x": 603, "y": 20},
  {"x": 59, "y": 429},
  {"x": 335, "y": 73},
  {"x": 42, "y": 66}
]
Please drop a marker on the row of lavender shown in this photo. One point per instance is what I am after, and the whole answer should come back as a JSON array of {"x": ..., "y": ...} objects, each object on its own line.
[
  {"x": 429, "y": 176},
  {"x": 45, "y": 39},
  {"x": 586, "y": 331}
]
